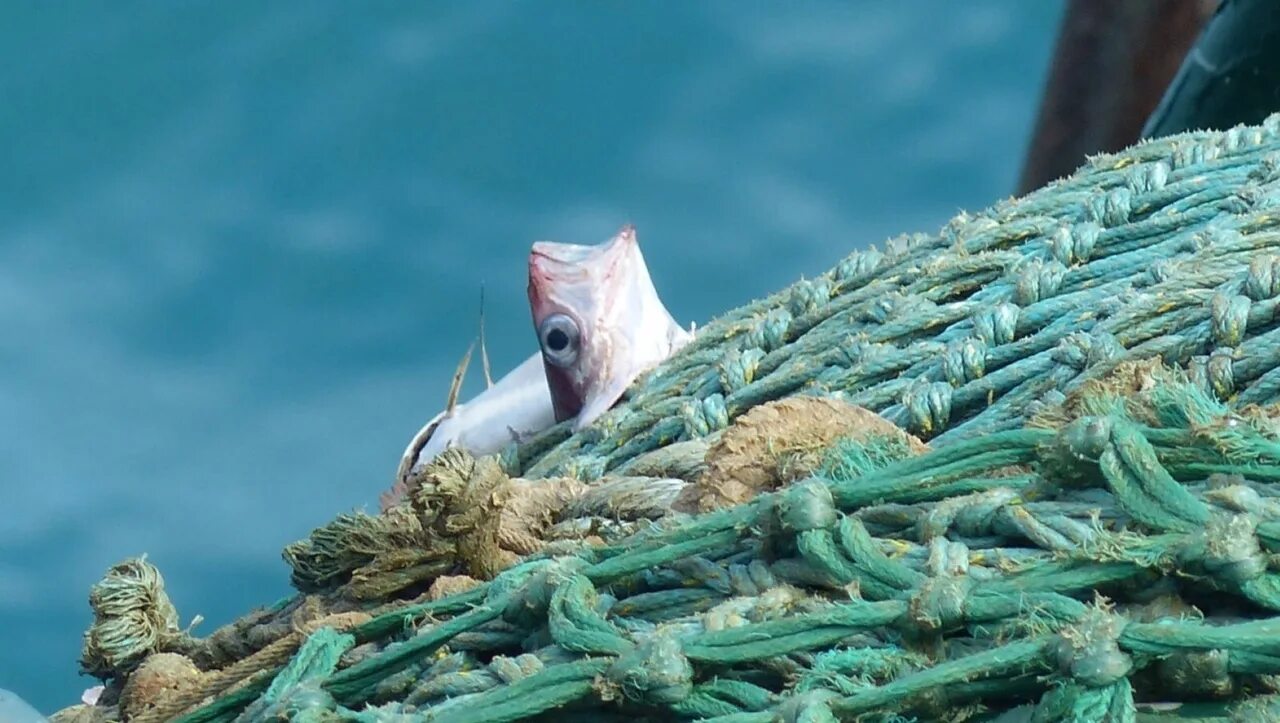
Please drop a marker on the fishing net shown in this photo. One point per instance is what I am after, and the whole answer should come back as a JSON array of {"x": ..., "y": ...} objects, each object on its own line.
[{"x": 1024, "y": 469}]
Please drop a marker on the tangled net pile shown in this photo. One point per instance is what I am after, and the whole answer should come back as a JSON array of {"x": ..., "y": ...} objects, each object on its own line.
[{"x": 760, "y": 531}]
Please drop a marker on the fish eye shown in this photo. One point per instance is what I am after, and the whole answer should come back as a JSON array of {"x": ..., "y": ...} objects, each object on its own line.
[{"x": 559, "y": 337}]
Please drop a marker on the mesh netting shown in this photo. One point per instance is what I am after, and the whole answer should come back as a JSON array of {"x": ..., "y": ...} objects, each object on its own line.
[{"x": 1025, "y": 469}]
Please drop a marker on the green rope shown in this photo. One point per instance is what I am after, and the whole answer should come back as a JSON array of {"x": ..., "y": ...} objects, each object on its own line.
[{"x": 1095, "y": 523}]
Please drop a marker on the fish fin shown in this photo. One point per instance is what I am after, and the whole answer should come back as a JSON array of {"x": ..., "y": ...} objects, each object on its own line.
[
  {"x": 455, "y": 387},
  {"x": 484, "y": 353}
]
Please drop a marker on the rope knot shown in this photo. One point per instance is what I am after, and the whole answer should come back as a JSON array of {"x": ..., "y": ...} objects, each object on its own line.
[
  {"x": 655, "y": 672},
  {"x": 510, "y": 670},
  {"x": 1227, "y": 549},
  {"x": 1213, "y": 236},
  {"x": 1149, "y": 177},
  {"x": 1087, "y": 437},
  {"x": 939, "y": 603},
  {"x": 1236, "y": 139},
  {"x": 773, "y": 603},
  {"x": 133, "y": 618},
  {"x": 1111, "y": 208},
  {"x": 576, "y": 619},
  {"x": 1081, "y": 350},
  {"x": 971, "y": 515},
  {"x": 807, "y": 295},
  {"x": 1089, "y": 651},
  {"x": 705, "y": 572},
  {"x": 964, "y": 361},
  {"x": 1230, "y": 313},
  {"x": 1194, "y": 154},
  {"x": 1215, "y": 374},
  {"x": 1198, "y": 673},
  {"x": 704, "y": 416},
  {"x": 996, "y": 326},
  {"x": 1263, "y": 176},
  {"x": 1220, "y": 372},
  {"x": 1231, "y": 140},
  {"x": 811, "y": 706},
  {"x": 1037, "y": 280},
  {"x": 905, "y": 243},
  {"x": 770, "y": 332},
  {"x": 1050, "y": 401},
  {"x": 1158, "y": 271},
  {"x": 751, "y": 579},
  {"x": 528, "y": 588},
  {"x": 737, "y": 368},
  {"x": 976, "y": 510},
  {"x": 806, "y": 506},
  {"x": 928, "y": 406},
  {"x": 947, "y": 558},
  {"x": 858, "y": 264},
  {"x": 965, "y": 227},
  {"x": 1072, "y": 245},
  {"x": 1263, "y": 280}
]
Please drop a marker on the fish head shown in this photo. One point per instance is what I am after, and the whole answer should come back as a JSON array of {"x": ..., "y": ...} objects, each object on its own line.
[{"x": 599, "y": 320}]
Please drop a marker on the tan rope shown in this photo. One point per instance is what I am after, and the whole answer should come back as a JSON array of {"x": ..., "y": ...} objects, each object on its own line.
[{"x": 217, "y": 683}]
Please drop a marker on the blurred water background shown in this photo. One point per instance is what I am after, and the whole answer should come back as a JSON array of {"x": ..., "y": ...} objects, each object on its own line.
[{"x": 241, "y": 243}]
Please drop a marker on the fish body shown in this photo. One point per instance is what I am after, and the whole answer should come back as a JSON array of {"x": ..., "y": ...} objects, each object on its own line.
[
  {"x": 599, "y": 323},
  {"x": 516, "y": 406}
]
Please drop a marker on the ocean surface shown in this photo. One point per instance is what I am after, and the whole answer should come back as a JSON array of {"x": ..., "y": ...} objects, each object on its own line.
[{"x": 242, "y": 244}]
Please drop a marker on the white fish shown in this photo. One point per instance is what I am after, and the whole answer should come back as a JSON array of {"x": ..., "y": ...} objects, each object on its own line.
[{"x": 599, "y": 323}]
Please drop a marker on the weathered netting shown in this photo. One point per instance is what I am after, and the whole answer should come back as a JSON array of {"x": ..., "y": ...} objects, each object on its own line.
[{"x": 1090, "y": 536}]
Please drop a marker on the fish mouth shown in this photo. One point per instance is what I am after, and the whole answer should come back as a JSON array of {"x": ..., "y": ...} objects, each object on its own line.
[
  {"x": 555, "y": 259},
  {"x": 574, "y": 275}
]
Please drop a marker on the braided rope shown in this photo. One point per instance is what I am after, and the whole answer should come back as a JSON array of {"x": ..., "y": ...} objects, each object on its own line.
[{"x": 1097, "y": 520}]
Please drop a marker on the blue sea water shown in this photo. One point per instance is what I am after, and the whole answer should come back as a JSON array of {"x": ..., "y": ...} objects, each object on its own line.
[{"x": 242, "y": 244}]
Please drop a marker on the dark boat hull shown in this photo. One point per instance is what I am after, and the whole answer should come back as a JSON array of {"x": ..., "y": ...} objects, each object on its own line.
[{"x": 1230, "y": 76}]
